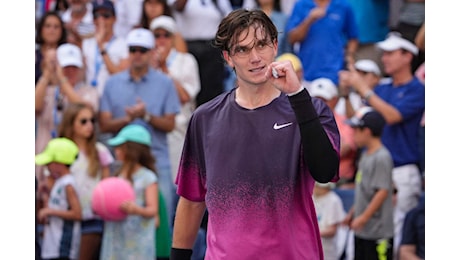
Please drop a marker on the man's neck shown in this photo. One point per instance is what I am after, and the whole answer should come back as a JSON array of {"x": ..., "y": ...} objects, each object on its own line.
[
  {"x": 402, "y": 77},
  {"x": 138, "y": 73}
]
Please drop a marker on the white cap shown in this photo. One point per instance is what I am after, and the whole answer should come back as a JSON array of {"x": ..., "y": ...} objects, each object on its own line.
[
  {"x": 323, "y": 87},
  {"x": 368, "y": 66},
  {"x": 394, "y": 42},
  {"x": 164, "y": 22},
  {"x": 140, "y": 37},
  {"x": 69, "y": 55}
]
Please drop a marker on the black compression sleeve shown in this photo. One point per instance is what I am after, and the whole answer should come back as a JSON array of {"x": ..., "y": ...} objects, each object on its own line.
[
  {"x": 180, "y": 254},
  {"x": 319, "y": 155}
]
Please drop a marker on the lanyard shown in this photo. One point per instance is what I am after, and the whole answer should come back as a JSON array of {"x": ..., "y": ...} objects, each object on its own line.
[
  {"x": 58, "y": 101},
  {"x": 98, "y": 61}
]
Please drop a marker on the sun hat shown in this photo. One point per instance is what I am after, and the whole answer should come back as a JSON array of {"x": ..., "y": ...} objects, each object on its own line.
[
  {"x": 368, "y": 66},
  {"x": 131, "y": 133},
  {"x": 140, "y": 37},
  {"x": 69, "y": 55},
  {"x": 60, "y": 150},
  {"x": 395, "y": 41},
  {"x": 164, "y": 22},
  {"x": 324, "y": 88}
]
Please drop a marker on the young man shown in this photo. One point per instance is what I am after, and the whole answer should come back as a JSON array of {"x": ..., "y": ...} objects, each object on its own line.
[
  {"x": 371, "y": 216},
  {"x": 62, "y": 215},
  {"x": 251, "y": 156}
]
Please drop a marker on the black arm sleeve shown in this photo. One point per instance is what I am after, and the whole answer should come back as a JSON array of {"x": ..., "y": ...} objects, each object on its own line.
[
  {"x": 180, "y": 254},
  {"x": 319, "y": 154}
]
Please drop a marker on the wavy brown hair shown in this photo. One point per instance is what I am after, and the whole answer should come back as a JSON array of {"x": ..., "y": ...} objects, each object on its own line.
[
  {"x": 66, "y": 130},
  {"x": 136, "y": 153},
  {"x": 239, "y": 20}
]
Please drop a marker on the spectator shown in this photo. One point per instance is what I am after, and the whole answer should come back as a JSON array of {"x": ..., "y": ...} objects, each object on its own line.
[
  {"x": 326, "y": 90},
  {"x": 105, "y": 54},
  {"x": 413, "y": 235},
  {"x": 62, "y": 215},
  {"x": 250, "y": 195},
  {"x": 134, "y": 236},
  {"x": 152, "y": 9},
  {"x": 145, "y": 96},
  {"x": 60, "y": 84},
  {"x": 330, "y": 213},
  {"x": 78, "y": 20},
  {"x": 402, "y": 104},
  {"x": 92, "y": 165},
  {"x": 322, "y": 54},
  {"x": 371, "y": 216},
  {"x": 197, "y": 21},
  {"x": 50, "y": 34},
  {"x": 349, "y": 100},
  {"x": 183, "y": 69}
]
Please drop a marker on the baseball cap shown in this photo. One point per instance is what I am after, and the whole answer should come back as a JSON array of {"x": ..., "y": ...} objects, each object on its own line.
[
  {"x": 60, "y": 150},
  {"x": 292, "y": 58},
  {"x": 324, "y": 88},
  {"x": 395, "y": 41},
  {"x": 131, "y": 133},
  {"x": 69, "y": 55},
  {"x": 141, "y": 37},
  {"x": 368, "y": 66},
  {"x": 367, "y": 117},
  {"x": 103, "y": 4},
  {"x": 164, "y": 22}
]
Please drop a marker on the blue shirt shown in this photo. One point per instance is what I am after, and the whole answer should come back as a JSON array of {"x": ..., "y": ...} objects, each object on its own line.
[
  {"x": 402, "y": 138},
  {"x": 322, "y": 50},
  {"x": 158, "y": 93},
  {"x": 372, "y": 19}
]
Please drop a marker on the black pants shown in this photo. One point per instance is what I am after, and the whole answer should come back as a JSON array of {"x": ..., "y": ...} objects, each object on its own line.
[
  {"x": 373, "y": 249},
  {"x": 211, "y": 68}
]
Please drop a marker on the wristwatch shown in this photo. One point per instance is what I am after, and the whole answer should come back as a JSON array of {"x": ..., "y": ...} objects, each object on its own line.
[
  {"x": 147, "y": 117},
  {"x": 103, "y": 52}
]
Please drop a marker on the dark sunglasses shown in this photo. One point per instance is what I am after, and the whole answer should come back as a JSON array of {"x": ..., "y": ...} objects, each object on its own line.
[
  {"x": 106, "y": 15},
  {"x": 133, "y": 49},
  {"x": 162, "y": 35},
  {"x": 83, "y": 121}
]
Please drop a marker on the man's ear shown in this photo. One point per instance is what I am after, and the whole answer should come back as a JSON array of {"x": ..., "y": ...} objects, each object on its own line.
[{"x": 227, "y": 59}]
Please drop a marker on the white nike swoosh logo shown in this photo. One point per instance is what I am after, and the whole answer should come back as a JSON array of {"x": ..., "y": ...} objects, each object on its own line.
[{"x": 276, "y": 126}]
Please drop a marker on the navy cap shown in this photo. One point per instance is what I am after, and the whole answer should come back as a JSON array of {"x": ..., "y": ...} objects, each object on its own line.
[
  {"x": 368, "y": 117},
  {"x": 103, "y": 4}
]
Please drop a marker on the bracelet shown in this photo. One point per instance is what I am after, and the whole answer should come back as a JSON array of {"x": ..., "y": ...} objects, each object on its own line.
[
  {"x": 368, "y": 94},
  {"x": 103, "y": 52}
]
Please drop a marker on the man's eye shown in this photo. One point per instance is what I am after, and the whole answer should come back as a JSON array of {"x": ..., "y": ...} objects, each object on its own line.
[{"x": 241, "y": 50}]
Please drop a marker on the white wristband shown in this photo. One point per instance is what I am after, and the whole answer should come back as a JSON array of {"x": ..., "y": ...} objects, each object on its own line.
[{"x": 297, "y": 92}]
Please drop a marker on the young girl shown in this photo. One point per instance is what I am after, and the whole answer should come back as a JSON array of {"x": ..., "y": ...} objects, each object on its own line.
[
  {"x": 90, "y": 167},
  {"x": 134, "y": 237}
]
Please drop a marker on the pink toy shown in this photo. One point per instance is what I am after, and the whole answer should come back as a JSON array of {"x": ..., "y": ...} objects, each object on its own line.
[{"x": 108, "y": 196}]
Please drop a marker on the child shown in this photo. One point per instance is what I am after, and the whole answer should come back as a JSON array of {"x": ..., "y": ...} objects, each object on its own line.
[
  {"x": 371, "y": 216},
  {"x": 92, "y": 164},
  {"x": 134, "y": 237},
  {"x": 61, "y": 237},
  {"x": 330, "y": 213}
]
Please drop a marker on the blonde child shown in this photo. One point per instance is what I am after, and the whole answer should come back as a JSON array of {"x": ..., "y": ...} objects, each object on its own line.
[
  {"x": 92, "y": 165},
  {"x": 62, "y": 215},
  {"x": 134, "y": 237}
]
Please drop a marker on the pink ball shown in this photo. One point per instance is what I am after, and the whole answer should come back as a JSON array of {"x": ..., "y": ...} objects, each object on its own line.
[{"x": 108, "y": 196}]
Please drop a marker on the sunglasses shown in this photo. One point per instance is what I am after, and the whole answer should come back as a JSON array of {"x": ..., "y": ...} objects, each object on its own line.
[
  {"x": 105, "y": 15},
  {"x": 133, "y": 49},
  {"x": 83, "y": 121},
  {"x": 162, "y": 35}
]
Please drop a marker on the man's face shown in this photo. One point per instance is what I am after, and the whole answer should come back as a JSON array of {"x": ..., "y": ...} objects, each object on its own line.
[
  {"x": 251, "y": 55},
  {"x": 395, "y": 61},
  {"x": 103, "y": 19},
  {"x": 139, "y": 57}
]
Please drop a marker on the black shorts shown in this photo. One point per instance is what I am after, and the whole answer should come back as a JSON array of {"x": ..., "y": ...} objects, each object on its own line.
[{"x": 378, "y": 249}]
